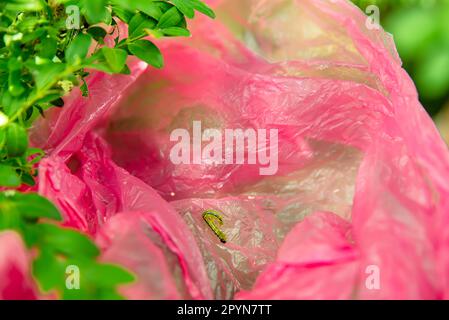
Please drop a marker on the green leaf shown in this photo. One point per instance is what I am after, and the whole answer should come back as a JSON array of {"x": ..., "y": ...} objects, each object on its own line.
[
  {"x": 11, "y": 104},
  {"x": 98, "y": 33},
  {"x": 2, "y": 135},
  {"x": 100, "y": 66},
  {"x": 185, "y": 7},
  {"x": 107, "y": 275},
  {"x": 9, "y": 176},
  {"x": 125, "y": 70},
  {"x": 154, "y": 33},
  {"x": 32, "y": 205},
  {"x": 49, "y": 271},
  {"x": 29, "y": 24},
  {"x": 148, "y": 52},
  {"x": 36, "y": 154},
  {"x": 41, "y": 111},
  {"x": 9, "y": 218},
  {"x": 49, "y": 98},
  {"x": 122, "y": 13},
  {"x": 164, "y": 6},
  {"x": 28, "y": 113},
  {"x": 95, "y": 11},
  {"x": 98, "y": 62},
  {"x": 24, "y": 5},
  {"x": 59, "y": 102},
  {"x": 16, "y": 87},
  {"x": 28, "y": 179},
  {"x": 115, "y": 58},
  {"x": 3, "y": 65},
  {"x": 78, "y": 48},
  {"x": 16, "y": 140},
  {"x": 170, "y": 18},
  {"x": 109, "y": 295},
  {"x": 84, "y": 89},
  {"x": 203, "y": 8},
  {"x": 45, "y": 74},
  {"x": 67, "y": 241},
  {"x": 150, "y": 8},
  {"x": 48, "y": 48},
  {"x": 138, "y": 24},
  {"x": 29, "y": 37},
  {"x": 176, "y": 32}
]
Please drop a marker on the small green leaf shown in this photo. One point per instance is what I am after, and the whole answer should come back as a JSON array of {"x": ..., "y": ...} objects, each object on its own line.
[
  {"x": 16, "y": 140},
  {"x": 122, "y": 13},
  {"x": 100, "y": 66},
  {"x": 154, "y": 33},
  {"x": 84, "y": 89},
  {"x": 16, "y": 87},
  {"x": 95, "y": 11},
  {"x": 8, "y": 177},
  {"x": 41, "y": 111},
  {"x": 203, "y": 8},
  {"x": 125, "y": 70},
  {"x": 59, "y": 102},
  {"x": 14, "y": 103},
  {"x": 115, "y": 58},
  {"x": 9, "y": 218},
  {"x": 185, "y": 7},
  {"x": 176, "y": 32},
  {"x": 2, "y": 136},
  {"x": 48, "y": 48},
  {"x": 28, "y": 179},
  {"x": 28, "y": 113},
  {"x": 29, "y": 37},
  {"x": 138, "y": 24},
  {"x": 78, "y": 48},
  {"x": 34, "y": 155},
  {"x": 48, "y": 98},
  {"x": 150, "y": 8},
  {"x": 164, "y": 6},
  {"x": 45, "y": 74},
  {"x": 170, "y": 18},
  {"x": 109, "y": 295},
  {"x": 98, "y": 33},
  {"x": 148, "y": 52},
  {"x": 24, "y": 5}
]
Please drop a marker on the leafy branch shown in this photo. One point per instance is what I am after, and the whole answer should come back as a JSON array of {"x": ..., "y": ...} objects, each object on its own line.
[
  {"x": 58, "y": 249},
  {"x": 48, "y": 47}
]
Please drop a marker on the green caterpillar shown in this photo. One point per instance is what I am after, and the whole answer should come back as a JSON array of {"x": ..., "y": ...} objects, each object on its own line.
[{"x": 209, "y": 216}]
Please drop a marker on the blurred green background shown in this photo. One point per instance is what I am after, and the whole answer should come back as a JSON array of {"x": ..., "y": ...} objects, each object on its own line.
[{"x": 421, "y": 33}]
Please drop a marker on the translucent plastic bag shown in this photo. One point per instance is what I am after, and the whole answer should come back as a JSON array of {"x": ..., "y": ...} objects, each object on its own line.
[{"x": 362, "y": 181}]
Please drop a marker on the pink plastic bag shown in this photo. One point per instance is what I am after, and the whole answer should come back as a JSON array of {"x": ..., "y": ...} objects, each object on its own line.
[
  {"x": 15, "y": 274},
  {"x": 361, "y": 189}
]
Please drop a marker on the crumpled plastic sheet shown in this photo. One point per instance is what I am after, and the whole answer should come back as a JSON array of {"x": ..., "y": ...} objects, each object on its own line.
[{"x": 362, "y": 179}]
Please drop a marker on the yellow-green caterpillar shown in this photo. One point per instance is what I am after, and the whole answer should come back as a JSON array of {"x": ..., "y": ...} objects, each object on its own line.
[{"x": 209, "y": 216}]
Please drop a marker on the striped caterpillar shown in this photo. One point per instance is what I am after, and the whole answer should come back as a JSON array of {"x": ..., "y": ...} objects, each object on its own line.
[{"x": 209, "y": 216}]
